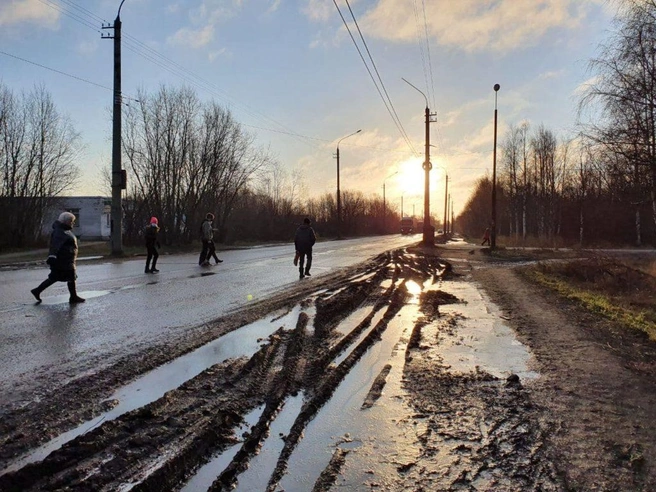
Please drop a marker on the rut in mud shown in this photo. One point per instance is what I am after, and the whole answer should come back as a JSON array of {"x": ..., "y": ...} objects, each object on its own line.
[{"x": 246, "y": 422}]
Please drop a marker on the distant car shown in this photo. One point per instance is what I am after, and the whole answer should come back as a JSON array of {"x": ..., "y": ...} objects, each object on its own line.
[{"x": 440, "y": 231}]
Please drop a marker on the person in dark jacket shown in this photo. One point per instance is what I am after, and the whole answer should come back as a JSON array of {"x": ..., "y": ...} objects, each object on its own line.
[
  {"x": 207, "y": 237},
  {"x": 61, "y": 258},
  {"x": 303, "y": 241},
  {"x": 152, "y": 243}
]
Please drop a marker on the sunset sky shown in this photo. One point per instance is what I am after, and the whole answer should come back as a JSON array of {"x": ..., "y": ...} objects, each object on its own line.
[{"x": 291, "y": 74}]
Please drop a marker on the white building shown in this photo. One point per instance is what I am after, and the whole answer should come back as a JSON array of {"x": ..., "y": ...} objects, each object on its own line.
[{"x": 92, "y": 216}]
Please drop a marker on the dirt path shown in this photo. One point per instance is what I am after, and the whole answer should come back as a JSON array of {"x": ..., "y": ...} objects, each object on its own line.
[
  {"x": 350, "y": 382},
  {"x": 600, "y": 406}
]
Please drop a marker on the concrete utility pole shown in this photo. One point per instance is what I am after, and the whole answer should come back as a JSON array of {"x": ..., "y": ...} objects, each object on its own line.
[
  {"x": 118, "y": 174},
  {"x": 339, "y": 194},
  {"x": 429, "y": 235},
  {"x": 493, "y": 236},
  {"x": 384, "y": 207},
  {"x": 446, "y": 193}
]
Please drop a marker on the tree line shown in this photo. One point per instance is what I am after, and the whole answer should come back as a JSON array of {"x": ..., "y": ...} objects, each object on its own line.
[{"x": 599, "y": 186}]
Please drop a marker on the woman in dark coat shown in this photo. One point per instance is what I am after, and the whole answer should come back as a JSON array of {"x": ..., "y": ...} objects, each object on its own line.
[
  {"x": 61, "y": 258},
  {"x": 152, "y": 243}
]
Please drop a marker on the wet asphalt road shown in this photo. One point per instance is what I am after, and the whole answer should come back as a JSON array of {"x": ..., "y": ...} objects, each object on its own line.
[{"x": 128, "y": 310}]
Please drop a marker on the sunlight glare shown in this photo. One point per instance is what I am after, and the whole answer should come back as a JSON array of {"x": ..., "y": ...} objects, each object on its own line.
[{"x": 411, "y": 177}]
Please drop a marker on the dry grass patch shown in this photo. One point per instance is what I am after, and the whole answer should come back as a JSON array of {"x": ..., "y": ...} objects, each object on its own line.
[{"x": 612, "y": 288}]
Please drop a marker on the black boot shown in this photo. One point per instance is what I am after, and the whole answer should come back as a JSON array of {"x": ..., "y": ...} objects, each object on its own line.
[
  {"x": 153, "y": 269},
  {"x": 37, "y": 294},
  {"x": 74, "y": 299},
  {"x": 43, "y": 286},
  {"x": 147, "y": 270}
]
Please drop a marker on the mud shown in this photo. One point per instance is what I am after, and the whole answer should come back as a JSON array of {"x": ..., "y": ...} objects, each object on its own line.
[{"x": 424, "y": 423}]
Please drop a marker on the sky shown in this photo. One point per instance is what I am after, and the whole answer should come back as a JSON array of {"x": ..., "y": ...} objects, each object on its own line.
[{"x": 291, "y": 74}]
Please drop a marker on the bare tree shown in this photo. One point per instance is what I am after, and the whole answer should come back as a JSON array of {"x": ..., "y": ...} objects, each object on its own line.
[
  {"x": 38, "y": 150},
  {"x": 625, "y": 90}
]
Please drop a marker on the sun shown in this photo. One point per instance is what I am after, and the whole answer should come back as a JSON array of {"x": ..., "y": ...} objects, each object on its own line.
[{"x": 410, "y": 179}]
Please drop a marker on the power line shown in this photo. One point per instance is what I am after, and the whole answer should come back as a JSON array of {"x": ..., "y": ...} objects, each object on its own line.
[
  {"x": 141, "y": 49},
  {"x": 57, "y": 71},
  {"x": 376, "y": 69},
  {"x": 430, "y": 64},
  {"x": 397, "y": 123}
]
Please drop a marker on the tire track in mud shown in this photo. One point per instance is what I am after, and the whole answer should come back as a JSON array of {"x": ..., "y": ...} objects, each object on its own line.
[{"x": 163, "y": 444}]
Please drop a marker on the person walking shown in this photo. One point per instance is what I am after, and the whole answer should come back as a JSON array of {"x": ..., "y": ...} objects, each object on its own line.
[
  {"x": 152, "y": 243},
  {"x": 486, "y": 237},
  {"x": 207, "y": 237},
  {"x": 62, "y": 258},
  {"x": 303, "y": 241}
]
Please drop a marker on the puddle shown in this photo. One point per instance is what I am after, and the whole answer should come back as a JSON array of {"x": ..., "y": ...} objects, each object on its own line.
[
  {"x": 260, "y": 468},
  {"x": 414, "y": 289},
  {"x": 87, "y": 294},
  {"x": 242, "y": 342},
  {"x": 352, "y": 320},
  {"x": 376, "y": 318},
  {"x": 341, "y": 419},
  {"x": 209, "y": 472},
  {"x": 481, "y": 337}
]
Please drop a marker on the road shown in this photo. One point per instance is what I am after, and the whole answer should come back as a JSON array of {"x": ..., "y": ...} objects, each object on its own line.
[{"x": 127, "y": 309}]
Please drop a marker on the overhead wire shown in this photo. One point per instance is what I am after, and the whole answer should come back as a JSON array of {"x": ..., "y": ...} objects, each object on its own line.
[
  {"x": 57, "y": 71},
  {"x": 382, "y": 84},
  {"x": 397, "y": 123},
  {"x": 141, "y": 49},
  {"x": 430, "y": 63}
]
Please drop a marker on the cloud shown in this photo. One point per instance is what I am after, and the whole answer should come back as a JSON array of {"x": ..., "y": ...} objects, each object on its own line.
[
  {"x": 553, "y": 74},
  {"x": 173, "y": 8},
  {"x": 87, "y": 47},
  {"x": 318, "y": 10},
  {"x": 27, "y": 11},
  {"x": 218, "y": 53},
  {"x": 471, "y": 25},
  {"x": 193, "y": 38},
  {"x": 585, "y": 86},
  {"x": 274, "y": 6}
]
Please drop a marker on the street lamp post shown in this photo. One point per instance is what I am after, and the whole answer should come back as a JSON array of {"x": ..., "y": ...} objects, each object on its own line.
[
  {"x": 428, "y": 236},
  {"x": 339, "y": 196},
  {"x": 384, "y": 207},
  {"x": 493, "y": 237}
]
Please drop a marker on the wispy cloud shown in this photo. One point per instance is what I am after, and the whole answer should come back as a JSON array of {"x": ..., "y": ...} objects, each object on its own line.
[
  {"x": 87, "y": 47},
  {"x": 471, "y": 25},
  {"x": 193, "y": 38},
  {"x": 318, "y": 10},
  {"x": 27, "y": 11},
  {"x": 217, "y": 54}
]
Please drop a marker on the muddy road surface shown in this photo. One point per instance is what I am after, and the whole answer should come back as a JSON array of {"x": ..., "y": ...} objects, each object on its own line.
[{"x": 399, "y": 374}]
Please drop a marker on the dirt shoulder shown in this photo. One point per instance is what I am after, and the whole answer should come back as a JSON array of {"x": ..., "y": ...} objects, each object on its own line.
[{"x": 600, "y": 405}]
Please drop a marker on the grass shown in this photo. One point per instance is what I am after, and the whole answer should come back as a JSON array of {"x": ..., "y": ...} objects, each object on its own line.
[{"x": 609, "y": 288}]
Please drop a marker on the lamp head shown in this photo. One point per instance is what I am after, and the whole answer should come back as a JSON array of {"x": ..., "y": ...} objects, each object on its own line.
[{"x": 496, "y": 87}]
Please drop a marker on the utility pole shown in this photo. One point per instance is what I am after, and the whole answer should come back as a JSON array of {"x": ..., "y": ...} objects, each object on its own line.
[
  {"x": 118, "y": 175},
  {"x": 446, "y": 193},
  {"x": 428, "y": 236},
  {"x": 452, "y": 216},
  {"x": 493, "y": 236},
  {"x": 339, "y": 194}
]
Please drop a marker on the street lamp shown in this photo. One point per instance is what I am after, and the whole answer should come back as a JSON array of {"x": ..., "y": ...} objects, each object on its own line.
[
  {"x": 384, "y": 208},
  {"x": 339, "y": 198},
  {"x": 428, "y": 238},
  {"x": 493, "y": 237}
]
